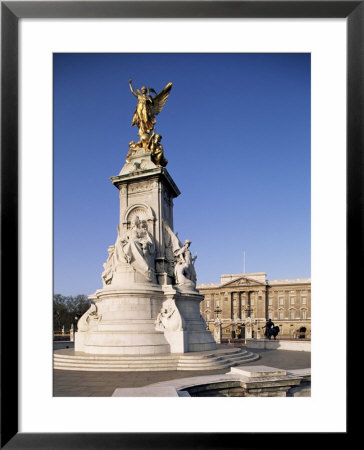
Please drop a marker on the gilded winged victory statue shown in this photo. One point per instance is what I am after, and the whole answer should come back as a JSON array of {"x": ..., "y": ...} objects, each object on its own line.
[
  {"x": 144, "y": 118},
  {"x": 148, "y": 107}
]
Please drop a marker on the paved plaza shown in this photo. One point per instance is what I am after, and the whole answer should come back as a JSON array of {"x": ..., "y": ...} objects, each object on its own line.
[{"x": 69, "y": 383}]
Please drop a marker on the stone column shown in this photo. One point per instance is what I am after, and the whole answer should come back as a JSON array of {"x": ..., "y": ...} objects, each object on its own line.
[
  {"x": 224, "y": 306},
  {"x": 232, "y": 306},
  {"x": 248, "y": 302},
  {"x": 242, "y": 296},
  {"x": 239, "y": 305},
  {"x": 262, "y": 306}
]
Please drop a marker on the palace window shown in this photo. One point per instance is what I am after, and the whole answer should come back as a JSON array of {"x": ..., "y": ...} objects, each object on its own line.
[
  {"x": 292, "y": 300},
  {"x": 208, "y": 316},
  {"x": 281, "y": 300},
  {"x": 270, "y": 301},
  {"x": 291, "y": 315},
  {"x": 207, "y": 302},
  {"x": 252, "y": 301},
  {"x": 281, "y": 315},
  {"x": 304, "y": 300},
  {"x": 217, "y": 303},
  {"x": 303, "y": 315}
]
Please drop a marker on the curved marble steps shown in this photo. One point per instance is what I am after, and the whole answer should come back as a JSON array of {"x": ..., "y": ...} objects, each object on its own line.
[
  {"x": 211, "y": 361},
  {"x": 220, "y": 362}
]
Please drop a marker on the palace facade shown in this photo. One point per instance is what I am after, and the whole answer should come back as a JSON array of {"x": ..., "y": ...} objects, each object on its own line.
[{"x": 250, "y": 296}]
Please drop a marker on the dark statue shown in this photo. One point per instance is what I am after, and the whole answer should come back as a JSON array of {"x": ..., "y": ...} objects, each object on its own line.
[{"x": 271, "y": 329}]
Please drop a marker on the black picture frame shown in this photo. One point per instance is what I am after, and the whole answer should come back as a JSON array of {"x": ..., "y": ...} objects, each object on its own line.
[{"x": 11, "y": 12}]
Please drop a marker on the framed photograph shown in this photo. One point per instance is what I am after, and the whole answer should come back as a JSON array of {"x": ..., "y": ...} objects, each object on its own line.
[{"x": 27, "y": 204}]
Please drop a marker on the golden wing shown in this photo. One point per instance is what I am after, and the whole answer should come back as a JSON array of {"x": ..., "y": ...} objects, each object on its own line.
[{"x": 160, "y": 99}]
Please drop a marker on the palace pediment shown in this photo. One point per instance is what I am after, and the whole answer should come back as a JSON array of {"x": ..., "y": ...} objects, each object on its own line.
[{"x": 243, "y": 281}]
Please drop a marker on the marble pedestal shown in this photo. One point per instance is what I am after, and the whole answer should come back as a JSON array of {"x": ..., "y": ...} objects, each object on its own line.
[
  {"x": 188, "y": 333},
  {"x": 125, "y": 323}
]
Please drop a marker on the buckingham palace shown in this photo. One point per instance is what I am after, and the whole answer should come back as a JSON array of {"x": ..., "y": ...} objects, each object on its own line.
[{"x": 250, "y": 298}]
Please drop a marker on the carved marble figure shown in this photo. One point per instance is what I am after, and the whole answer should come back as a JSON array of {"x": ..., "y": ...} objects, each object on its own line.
[
  {"x": 115, "y": 256},
  {"x": 184, "y": 270},
  {"x": 90, "y": 319},
  {"x": 169, "y": 317},
  {"x": 139, "y": 248},
  {"x": 109, "y": 266},
  {"x": 184, "y": 267}
]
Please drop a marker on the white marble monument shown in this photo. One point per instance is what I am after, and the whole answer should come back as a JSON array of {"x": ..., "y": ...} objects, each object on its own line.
[{"x": 149, "y": 303}]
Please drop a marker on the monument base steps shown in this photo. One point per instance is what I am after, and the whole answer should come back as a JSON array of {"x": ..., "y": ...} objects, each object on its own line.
[{"x": 68, "y": 359}]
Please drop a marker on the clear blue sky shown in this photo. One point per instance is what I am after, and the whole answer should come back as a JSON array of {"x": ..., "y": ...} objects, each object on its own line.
[{"x": 236, "y": 133}]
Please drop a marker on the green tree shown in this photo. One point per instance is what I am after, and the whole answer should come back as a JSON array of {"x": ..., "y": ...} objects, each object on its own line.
[{"x": 66, "y": 309}]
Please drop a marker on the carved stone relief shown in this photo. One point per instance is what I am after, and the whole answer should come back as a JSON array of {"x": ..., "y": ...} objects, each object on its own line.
[
  {"x": 89, "y": 320},
  {"x": 142, "y": 186},
  {"x": 169, "y": 317},
  {"x": 139, "y": 212}
]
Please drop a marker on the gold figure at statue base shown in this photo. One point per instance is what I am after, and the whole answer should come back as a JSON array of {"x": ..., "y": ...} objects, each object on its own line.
[{"x": 156, "y": 149}]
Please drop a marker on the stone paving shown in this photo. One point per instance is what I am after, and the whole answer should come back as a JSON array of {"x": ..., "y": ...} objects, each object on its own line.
[{"x": 69, "y": 383}]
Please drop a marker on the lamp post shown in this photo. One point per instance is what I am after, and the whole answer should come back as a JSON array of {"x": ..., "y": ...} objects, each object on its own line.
[{"x": 217, "y": 311}]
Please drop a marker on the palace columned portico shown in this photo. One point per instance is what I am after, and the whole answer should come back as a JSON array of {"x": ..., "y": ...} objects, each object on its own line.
[{"x": 246, "y": 301}]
